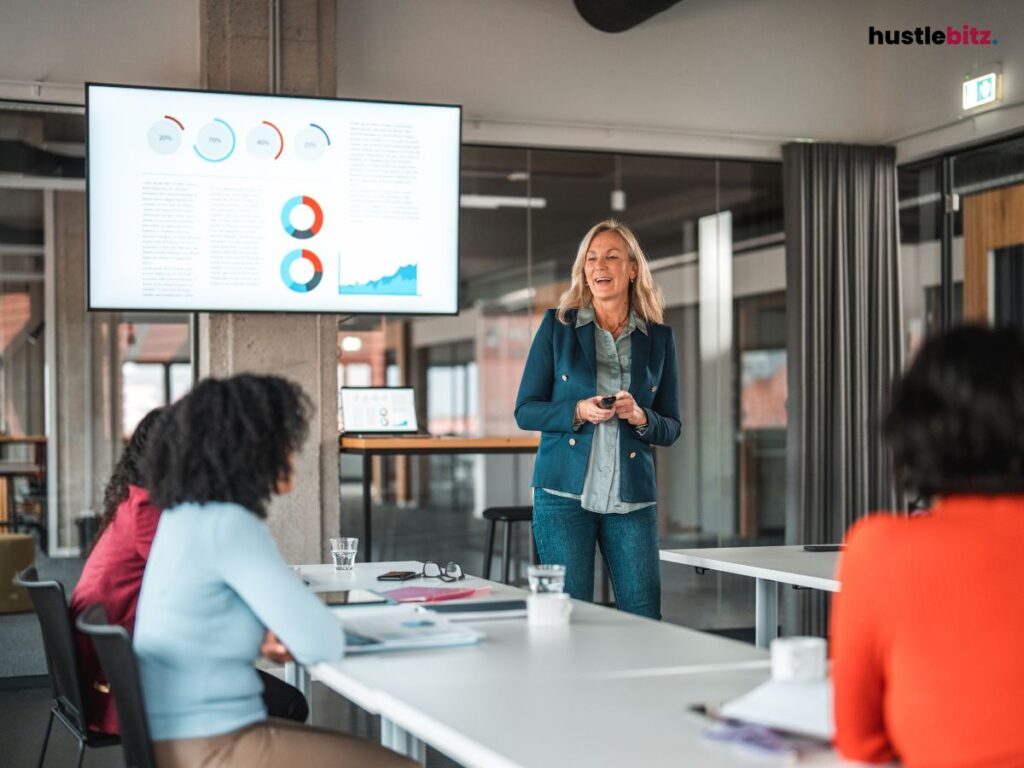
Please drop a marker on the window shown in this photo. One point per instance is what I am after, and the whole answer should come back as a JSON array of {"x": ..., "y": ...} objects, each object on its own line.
[{"x": 155, "y": 368}]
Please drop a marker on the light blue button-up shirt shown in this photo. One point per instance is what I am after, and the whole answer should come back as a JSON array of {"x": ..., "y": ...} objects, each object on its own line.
[{"x": 614, "y": 360}]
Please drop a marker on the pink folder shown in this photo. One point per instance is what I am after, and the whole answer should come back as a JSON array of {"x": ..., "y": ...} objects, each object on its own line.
[{"x": 433, "y": 594}]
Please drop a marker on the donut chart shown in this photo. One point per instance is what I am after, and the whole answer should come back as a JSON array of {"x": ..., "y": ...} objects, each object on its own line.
[
  {"x": 265, "y": 141},
  {"x": 216, "y": 141},
  {"x": 286, "y": 217},
  {"x": 311, "y": 142},
  {"x": 286, "y": 270},
  {"x": 164, "y": 135}
]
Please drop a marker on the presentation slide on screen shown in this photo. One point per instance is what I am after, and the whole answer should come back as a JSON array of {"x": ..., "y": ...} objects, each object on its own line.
[{"x": 223, "y": 202}]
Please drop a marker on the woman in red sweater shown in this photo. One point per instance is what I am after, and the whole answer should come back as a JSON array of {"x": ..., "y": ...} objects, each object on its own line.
[
  {"x": 113, "y": 576},
  {"x": 927, "y": 631}
]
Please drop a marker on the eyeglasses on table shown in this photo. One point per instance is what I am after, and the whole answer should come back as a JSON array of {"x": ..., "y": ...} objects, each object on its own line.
[{"x": 446, "y": 573}]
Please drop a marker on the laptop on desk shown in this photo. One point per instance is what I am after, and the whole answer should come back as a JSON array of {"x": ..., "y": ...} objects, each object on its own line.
[{"x": 378, "y": 411}]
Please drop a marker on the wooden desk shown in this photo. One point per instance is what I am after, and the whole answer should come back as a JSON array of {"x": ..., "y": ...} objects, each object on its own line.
[{"x": 368, "y": 447}]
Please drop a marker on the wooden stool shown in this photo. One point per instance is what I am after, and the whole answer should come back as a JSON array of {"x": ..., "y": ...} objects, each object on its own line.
[{"x": 17, "y": 552}]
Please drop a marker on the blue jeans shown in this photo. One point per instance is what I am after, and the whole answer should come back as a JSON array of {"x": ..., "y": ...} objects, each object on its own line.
[{"x": 566, "y": 533}]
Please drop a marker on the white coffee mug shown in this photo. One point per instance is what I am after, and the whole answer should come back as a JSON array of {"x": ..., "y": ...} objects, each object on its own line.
[
  {"x": 798, "y": 659},
  {"x": 549, "y": 609}
]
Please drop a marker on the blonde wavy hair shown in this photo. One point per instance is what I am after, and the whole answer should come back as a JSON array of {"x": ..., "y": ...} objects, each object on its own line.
[{"x": 645, "y": 297}]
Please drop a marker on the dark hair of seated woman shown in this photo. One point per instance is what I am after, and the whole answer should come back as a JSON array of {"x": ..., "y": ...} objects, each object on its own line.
[
  {"x": 127, "y": 471},
  {"x": 230, "y": 440},
  {"x": 956, "y": 419}
]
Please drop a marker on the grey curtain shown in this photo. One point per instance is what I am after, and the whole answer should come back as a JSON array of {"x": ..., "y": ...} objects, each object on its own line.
[{"x": 844, "y": 338}]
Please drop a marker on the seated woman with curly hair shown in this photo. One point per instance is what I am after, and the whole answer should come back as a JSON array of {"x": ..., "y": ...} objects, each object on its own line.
[
  {"x": 215, "y": 583},
  {"x": 113, "y": 571},
  {"x": 927, "y": 630}
]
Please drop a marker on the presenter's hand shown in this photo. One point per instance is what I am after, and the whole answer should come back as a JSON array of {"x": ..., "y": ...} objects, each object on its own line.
[
  {"x": 591, "y": 410},
  {"x": 273, "y": 649},
  {"x": 626, "y": 408}
]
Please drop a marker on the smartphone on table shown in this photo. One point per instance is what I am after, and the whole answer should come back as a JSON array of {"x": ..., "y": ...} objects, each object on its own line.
[{"x": 397, "y": 576}]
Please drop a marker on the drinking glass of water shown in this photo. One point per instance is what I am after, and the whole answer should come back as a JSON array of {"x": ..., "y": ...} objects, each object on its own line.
[
  {"x": 343, "y": 551},
  {"x": 547, "y": 579}
]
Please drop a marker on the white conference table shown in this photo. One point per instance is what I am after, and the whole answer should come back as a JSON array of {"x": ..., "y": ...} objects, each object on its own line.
[
  {"x": 608, "y": 688},
  {"x": 769, "y": 566},
  {"x": 605, "y": 721}
]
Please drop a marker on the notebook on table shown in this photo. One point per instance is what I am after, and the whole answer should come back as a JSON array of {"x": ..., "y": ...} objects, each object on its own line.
[
  {"x": 479, "y": 611},
  {"x": 433, "y": 594},
  {"x": 801, "y": 708}
]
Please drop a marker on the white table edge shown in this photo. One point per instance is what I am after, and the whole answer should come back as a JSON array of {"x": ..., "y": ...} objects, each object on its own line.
[{"x": 739, "y": 569}]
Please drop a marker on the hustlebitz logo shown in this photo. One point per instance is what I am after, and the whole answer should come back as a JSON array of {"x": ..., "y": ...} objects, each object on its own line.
[{"x": 961, "y": 35}]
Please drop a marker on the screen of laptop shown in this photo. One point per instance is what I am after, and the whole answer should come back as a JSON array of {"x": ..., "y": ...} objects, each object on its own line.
[{"x": 378, "y": 410}]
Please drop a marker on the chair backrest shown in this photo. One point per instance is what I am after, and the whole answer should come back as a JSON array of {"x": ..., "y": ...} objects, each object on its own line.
[
  {"x": 114, "y": 648},
  {"x": 58, "y": 643}
]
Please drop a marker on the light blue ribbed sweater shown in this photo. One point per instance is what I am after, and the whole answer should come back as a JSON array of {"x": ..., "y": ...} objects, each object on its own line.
[{"x": 213, "y": 582}]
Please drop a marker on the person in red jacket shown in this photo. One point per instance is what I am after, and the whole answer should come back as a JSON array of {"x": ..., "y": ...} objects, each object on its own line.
[
  {"x": 926, "y": 633},
  {"x": 112, "y": 576}
]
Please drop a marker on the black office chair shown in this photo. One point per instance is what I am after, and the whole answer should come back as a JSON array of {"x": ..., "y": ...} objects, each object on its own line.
[
  {"x": 509, "y": 516},
  {"x": 62, "y": 664},
  {"x": 114, "y": 648}
]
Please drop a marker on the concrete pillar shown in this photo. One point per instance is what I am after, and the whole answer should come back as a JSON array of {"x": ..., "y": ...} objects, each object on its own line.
[
  {"x": 85, "y": 377},
  {"x": 237, "y": 53}
]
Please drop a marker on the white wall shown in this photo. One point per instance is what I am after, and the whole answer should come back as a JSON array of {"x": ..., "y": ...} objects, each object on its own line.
[
  {"x": 917, "y": 87},
  {"x": 728, "y": 77},
  {"x": 723, "y": 77},
  {"x": 535, "y": 68},
  {"x": 68, "y": 42}
]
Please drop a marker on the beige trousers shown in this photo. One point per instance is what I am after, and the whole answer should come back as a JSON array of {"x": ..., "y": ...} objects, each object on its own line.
[{"x": 273, "y": 743}]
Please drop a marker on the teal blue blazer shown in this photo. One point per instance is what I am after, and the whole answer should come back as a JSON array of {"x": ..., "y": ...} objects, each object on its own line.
[{"x": 561, "y": 370}]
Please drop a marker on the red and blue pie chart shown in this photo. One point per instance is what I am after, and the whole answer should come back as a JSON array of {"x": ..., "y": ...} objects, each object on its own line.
[
  {"x": 286, "y": 217},
  {"x": 286, "y": 270}
]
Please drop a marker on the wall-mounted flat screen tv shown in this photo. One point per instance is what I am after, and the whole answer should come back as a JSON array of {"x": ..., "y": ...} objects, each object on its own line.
[{"x": 224, "y": 202}]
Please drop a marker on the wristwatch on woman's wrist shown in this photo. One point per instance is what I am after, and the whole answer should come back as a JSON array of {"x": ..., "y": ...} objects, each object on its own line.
[
  {"x": 641, "y": 429},
  {"x": 577, "y": 421}
]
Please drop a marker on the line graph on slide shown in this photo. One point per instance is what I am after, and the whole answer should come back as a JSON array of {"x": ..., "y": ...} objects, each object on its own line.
[{"x": 402, "y": 282}]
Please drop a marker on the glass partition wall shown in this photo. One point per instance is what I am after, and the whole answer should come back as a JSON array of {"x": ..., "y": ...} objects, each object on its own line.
[
  {"x": 961, "y": 239},
  {"x": 74, "y": 382},
  {"x": 922, "y": 215},
  {"x": 988, "y": 229}
]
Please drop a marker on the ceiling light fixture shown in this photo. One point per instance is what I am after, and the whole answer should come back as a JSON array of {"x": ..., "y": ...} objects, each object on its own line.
[
  {"x": 351, "y": 344},
  {"x": 493, "y": 202},
  {"x": 618, "y": 201}
]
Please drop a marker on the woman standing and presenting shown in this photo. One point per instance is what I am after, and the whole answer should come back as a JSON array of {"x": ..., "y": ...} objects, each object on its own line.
[{"x": 601, "y": 384}]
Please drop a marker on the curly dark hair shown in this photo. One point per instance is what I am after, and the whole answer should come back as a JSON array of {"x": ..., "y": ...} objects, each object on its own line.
[
  {"x": 127, "y": 471},
  {"x": 956, "y": 417},
  {"x": 227, "y": 440}
]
